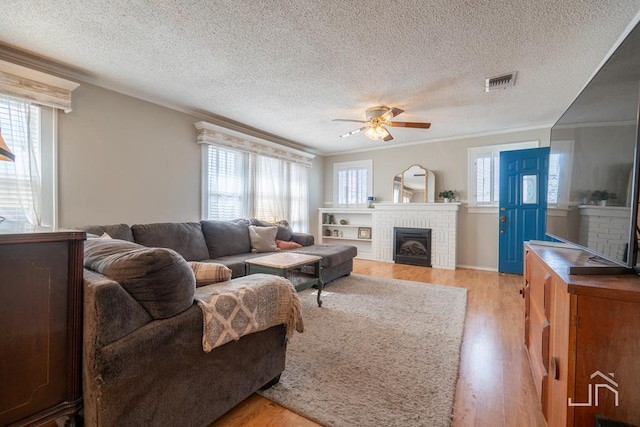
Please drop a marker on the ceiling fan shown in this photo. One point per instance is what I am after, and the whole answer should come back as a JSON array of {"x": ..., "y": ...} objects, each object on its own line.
[{"x": 379, "y": 117}]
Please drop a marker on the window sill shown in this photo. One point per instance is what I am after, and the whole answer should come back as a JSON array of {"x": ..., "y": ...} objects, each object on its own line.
[{"x": 482, "y": 209}]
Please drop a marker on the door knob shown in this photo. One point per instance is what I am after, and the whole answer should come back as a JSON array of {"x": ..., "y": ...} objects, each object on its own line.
[{"x": 503, "y": 218}]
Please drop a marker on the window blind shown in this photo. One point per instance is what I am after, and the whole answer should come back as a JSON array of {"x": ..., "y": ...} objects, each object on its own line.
[
  {"x": 352, "y": 186},
  {"x": 228, "y": 179},
  {"x": 18, "y": 125}
]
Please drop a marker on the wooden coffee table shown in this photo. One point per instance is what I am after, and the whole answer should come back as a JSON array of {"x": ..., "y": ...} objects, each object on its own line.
[{"x": 302, "y": 270}]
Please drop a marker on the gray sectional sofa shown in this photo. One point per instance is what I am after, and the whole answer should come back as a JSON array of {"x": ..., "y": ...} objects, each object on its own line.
[
  {"x": 143, "y": 359},
  {"x": 227, "y": 242}
]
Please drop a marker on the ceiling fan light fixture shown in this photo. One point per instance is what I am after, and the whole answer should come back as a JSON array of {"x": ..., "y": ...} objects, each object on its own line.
[{"x": 376, "y": 132}]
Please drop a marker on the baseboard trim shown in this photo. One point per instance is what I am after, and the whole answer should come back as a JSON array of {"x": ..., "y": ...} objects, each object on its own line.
[{"x": 475, "y": 267}]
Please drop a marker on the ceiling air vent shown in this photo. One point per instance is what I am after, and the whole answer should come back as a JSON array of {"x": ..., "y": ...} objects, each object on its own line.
[{"x": 499, "y": 82}]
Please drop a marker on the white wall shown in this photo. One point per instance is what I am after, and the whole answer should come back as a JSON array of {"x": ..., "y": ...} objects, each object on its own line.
[
  {"x": 122, "y": 159},
  {"x": 477, "y": 243}
]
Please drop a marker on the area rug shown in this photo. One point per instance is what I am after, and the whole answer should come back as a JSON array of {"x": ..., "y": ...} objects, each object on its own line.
[{"x": 379, "y": 352}]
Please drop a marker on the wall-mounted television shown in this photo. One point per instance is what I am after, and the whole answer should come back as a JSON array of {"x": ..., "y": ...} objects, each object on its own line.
[{"x": 593, "y": 164}]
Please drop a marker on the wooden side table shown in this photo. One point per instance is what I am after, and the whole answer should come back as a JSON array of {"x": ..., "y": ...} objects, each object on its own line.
[
  {"x": 302, "y": 270},
  {"x": 41, "y": 324}
]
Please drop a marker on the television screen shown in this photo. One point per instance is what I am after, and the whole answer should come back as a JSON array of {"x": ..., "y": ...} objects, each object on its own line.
[{"x": 593, "y": 161}]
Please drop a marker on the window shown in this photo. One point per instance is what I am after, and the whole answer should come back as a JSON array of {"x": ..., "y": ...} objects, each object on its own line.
[
  {"x": 554, "y": 179},
  {"x": 238, "y": 184},
  {"x": 487, "y": 171},
  {"x": 560, "y": 166},
  {"x": 484, "y": 172},
  {"x": 228, "y": 180},
  {"x": 353, "y": 183},
  {"x": 27, "y": 186}
]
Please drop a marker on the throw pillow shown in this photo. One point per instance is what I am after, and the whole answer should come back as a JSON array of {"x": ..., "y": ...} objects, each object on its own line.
[
  {"x": 285, "y": 246},
  {"x": 284, "y": 229},
  {"x": 105, "y": 236},
  {"x": 209, "y": 272},
  {"x": 263, "y": 239}
]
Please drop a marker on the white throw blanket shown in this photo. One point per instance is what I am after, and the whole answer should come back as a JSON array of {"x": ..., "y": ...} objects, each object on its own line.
[{"x": 245, "y": 305}]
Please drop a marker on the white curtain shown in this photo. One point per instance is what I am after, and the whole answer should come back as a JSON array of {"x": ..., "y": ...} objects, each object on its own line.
[
  {"x": 299, "y": 214},
  {"x": 249, "y": 185},
  {"x": 281, "y": 192},
  {"x": 20, "y": 189},
  {"x": 271, "y": 184}
]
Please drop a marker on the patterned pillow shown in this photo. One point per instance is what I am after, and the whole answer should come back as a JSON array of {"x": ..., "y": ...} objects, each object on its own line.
[
  {"x": 285, "y": 246},
  {"x": 263, "y": 239},
  {"x": 209, "y": 272}
]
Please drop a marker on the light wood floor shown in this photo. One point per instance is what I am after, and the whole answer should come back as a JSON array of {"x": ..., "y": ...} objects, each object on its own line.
[{"x": 495, "y": 387}]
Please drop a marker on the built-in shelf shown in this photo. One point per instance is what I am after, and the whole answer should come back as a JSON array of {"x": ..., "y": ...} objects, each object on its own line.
[
  {"x": 357, "y": 219},
  {"x": 345, "y": 238}
]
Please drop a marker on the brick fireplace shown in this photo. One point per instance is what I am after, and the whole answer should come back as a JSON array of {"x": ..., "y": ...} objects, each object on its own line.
[
  {"x": 605, "y": 230},
  {"x": 441, "y": 218}
]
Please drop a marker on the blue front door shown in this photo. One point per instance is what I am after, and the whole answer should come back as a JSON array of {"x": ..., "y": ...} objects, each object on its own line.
[{"x": 523, "y": 204}]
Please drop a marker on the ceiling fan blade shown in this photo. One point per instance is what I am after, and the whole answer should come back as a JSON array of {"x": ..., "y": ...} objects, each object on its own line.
[
  {"x": 410, "y": 125},
  {"x": 348, "y": 120},
  {"x": 388, "y": 138},
  {"x": 353, "y": 132},
  {"x": 391, "y": 114}
]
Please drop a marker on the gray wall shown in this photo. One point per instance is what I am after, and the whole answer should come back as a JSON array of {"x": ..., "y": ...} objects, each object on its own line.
[
  {"x": 122, "y": 159},
  {"x": 477, "y": 244}
]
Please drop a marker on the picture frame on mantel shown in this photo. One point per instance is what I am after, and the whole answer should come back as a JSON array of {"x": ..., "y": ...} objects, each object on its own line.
[{"x": 364, "y": 232}]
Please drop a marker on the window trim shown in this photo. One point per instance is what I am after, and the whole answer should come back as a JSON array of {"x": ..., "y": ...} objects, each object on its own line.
[
  {"x": 472, "y": 155},
  {"x": 35, "y": 86}
]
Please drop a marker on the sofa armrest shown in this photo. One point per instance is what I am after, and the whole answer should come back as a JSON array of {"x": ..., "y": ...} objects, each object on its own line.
[
  {"x": 305, "y": 239},
  {"x": 110, "y": 312}
]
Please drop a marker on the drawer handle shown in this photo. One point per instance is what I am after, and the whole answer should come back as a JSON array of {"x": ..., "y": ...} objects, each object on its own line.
[{"x": 554, "y": 368}]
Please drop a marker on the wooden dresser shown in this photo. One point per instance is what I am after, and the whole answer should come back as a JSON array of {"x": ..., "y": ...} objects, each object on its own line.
[
  {"x": 582, "y": 334},
  {"x": 40, "y": 324}
]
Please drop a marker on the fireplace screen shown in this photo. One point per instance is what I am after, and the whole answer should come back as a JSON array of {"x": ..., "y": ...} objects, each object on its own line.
[{"x": 412, "y": 246}]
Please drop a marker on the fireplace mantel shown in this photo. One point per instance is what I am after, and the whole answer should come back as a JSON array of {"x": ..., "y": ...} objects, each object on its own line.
[{"x": 441, "y": 218}]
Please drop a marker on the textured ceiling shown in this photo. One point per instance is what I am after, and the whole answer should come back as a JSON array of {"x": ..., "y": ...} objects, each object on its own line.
[{"x": 287, "y": 68}]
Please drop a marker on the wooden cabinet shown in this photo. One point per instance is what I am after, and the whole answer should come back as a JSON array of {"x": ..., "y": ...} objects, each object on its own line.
[
  {"x": 41, "y": 324},
  {"x": 357, "y": 230},
  {"x": 582, "y": 335}
]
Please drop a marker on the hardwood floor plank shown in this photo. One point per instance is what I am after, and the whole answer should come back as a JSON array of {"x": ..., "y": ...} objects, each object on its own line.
[{"x": 495, "y": 386}]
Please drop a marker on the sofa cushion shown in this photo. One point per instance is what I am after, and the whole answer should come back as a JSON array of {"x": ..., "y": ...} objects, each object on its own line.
[
  {"x": 263, "y": 239},
  {"x": 284, "y": 229},
  {"x": 225, "y": 238},
  {"x": 332, "y": 255},
  {"x": 116, "y": 231},
  {"x": 304, "y": 239},
  {"x": 210, "y": 272},
  {"x": 159, "y": 279},
  {"x": 186, "y": 238}
]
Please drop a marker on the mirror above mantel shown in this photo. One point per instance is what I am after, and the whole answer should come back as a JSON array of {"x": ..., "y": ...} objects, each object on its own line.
[{"x": 414, "y": 185}]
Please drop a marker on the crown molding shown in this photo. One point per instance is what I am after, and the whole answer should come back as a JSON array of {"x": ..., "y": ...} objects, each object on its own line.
[{"x": 46, "y": 65}]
